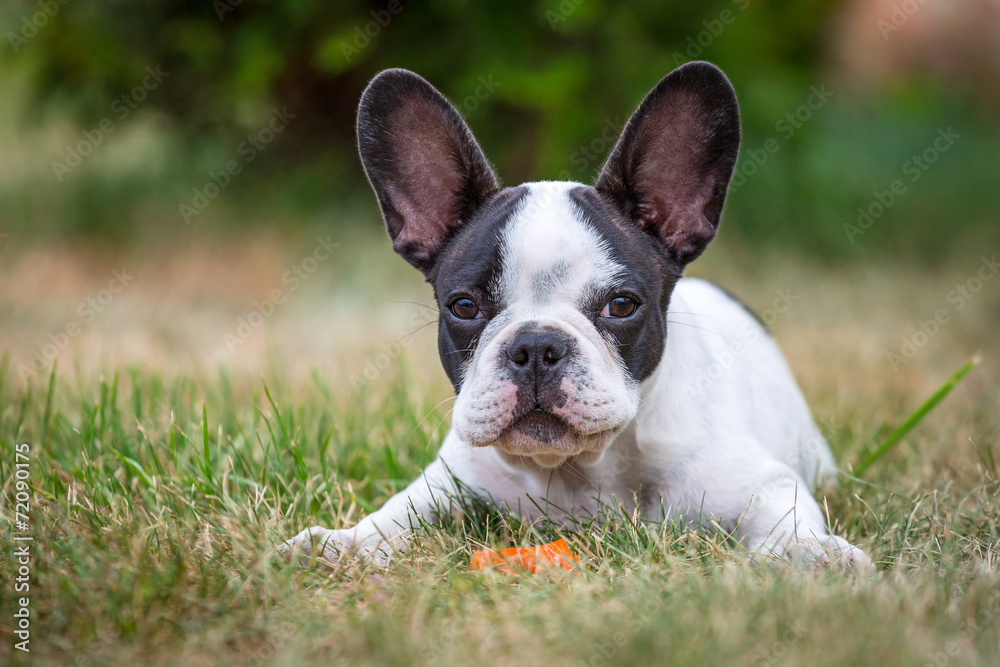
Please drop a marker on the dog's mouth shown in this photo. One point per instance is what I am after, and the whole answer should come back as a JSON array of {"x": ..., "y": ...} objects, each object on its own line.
[
  {"x": 540, "y": 425},
  {"x": 546, "y": 428},
  {"x": 548, "y": 439}
]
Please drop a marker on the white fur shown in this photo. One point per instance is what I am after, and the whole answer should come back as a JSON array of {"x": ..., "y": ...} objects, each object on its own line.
[{"x": 719, "y": 431}]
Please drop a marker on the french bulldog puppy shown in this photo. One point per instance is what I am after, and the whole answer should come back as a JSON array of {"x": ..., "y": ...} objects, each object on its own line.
[{"x": 586, "y": 368}]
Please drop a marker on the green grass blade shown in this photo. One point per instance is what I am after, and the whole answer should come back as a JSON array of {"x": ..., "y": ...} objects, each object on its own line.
[
  {"x": 48, "y": 404},
  {"x": 893, "y": 438},
  {"x": 137, "y": 468},
  {"x": 206, "y": 447},
  {"x": 4, "y": 365}
]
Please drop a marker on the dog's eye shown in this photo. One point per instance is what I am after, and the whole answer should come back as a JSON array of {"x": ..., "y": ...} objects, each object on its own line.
[
  {"x": 620, "y": 307},
  {"x": 466, "y": 309}
]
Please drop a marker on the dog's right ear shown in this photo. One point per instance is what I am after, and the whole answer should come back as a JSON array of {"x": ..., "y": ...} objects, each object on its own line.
[{"x": 428, "y": 172}]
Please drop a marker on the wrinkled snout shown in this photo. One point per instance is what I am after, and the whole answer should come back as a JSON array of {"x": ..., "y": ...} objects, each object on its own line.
[{"x": 537, "y": 358}]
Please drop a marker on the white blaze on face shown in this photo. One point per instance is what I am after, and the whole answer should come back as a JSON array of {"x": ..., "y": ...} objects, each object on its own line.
[
  {"x": 553, "y": 265},
  {"x": 550, "y": 255}
]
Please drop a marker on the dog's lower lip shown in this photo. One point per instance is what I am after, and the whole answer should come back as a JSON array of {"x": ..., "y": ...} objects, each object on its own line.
[
  {"x": 536, "y": 413},
  {"x": 541, "y": 425}
]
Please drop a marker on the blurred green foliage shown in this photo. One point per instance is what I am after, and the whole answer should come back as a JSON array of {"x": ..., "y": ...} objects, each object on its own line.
[{"x": 545, "y": 84}]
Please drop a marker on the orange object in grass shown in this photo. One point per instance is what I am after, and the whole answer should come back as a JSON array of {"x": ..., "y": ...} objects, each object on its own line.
[{"x": 530, "y": 559}]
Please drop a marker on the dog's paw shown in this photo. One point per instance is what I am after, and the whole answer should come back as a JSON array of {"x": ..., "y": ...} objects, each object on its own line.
[
  {"x": 331, "y": 547},
  {"x": 319, "y": 544},
  {"x": 827, "y": 551},
  {"x": 823, "y": 551}
]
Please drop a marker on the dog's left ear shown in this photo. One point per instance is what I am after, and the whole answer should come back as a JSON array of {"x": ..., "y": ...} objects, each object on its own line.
[
  {"x": 428, "y": 172},
  {"x": 670, "y": 169}
]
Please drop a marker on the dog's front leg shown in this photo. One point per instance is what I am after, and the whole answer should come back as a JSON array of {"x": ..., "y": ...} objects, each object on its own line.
[
  {"x": 770, "y": 507},
  {"x": 783, "y": 521},
  {"x": 376, "y": 537}
]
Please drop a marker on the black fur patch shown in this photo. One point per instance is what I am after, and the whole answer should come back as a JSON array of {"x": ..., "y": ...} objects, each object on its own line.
[
  {"x": 469, "y": 266},
  {"x": 650, "y": 276}
]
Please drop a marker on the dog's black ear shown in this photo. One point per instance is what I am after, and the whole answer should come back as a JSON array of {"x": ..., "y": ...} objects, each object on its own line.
[
  {"x": 670, "y": 169},
  {"x": 426, "y": 168}
]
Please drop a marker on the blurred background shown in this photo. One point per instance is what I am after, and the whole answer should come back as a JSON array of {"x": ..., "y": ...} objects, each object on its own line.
[{"x": 208, "y": 150}]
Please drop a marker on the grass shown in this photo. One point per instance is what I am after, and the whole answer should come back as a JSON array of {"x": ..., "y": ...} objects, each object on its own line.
[
  {"x": 911, "y": 422},
  {"x": 158, "y": 500},
  {"x": 158, "y": 504}
]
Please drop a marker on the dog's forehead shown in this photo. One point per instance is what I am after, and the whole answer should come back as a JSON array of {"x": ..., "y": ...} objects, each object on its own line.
[{"x": 549, "y": 251}]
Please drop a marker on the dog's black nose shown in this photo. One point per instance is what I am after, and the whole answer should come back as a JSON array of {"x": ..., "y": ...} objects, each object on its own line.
[{"x": 537, "y": 352}]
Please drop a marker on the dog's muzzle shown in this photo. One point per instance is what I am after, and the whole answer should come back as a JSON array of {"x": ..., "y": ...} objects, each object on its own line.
[{"x": 537, "y": 358}]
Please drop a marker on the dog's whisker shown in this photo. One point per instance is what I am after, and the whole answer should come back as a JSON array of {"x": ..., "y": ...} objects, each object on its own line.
[
  {"x": 421, "y": 327},
  {"x": 466, "y": 350},
  {"x": 695, "y": 326},
  {"x": 450, "y": 398},
  {"x": 438, "y": 427},
  {"x": 571, "y": 469},
  {"x": 415, "y": 303},
  {"x": 687, "y": 312}
]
